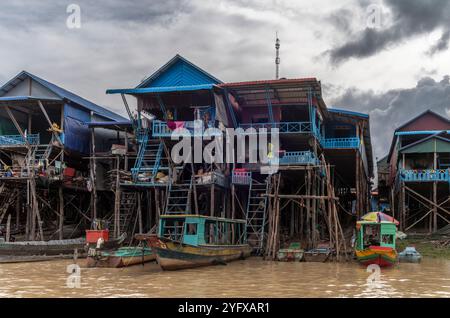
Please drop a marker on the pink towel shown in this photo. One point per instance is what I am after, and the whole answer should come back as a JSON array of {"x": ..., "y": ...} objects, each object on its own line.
[{"x": 175, "y": 124}]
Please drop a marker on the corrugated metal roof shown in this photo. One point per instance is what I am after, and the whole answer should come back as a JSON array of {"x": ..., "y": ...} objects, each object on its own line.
[
  {"x": 270, "y": 82},
  {"x": 63, "y": 94},
  {"x": 179, "y": 72},
  {"x": 347, "y": 112},
  {"x": 166, "y": 89},
  {"x": 26, "y": 98}
]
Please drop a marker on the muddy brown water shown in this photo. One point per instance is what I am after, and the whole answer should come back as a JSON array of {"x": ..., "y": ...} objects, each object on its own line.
[{"x": 250, "y": 278}]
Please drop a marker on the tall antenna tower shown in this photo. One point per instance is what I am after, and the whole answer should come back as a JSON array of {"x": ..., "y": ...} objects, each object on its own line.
[{"x": 277, "y": 58}]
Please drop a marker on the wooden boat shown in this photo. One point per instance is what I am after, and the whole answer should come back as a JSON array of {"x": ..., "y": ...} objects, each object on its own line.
[
  {"x": 375, "y": 243},
  {"x": 409, "y": 255},
  {"x": 187, "y": 241},
  {"x": 320, "y": 255},
  {"x": 293, "y": 253},
  {"x": 53, "y": 247},
  {"x": 122, "y": 257}
]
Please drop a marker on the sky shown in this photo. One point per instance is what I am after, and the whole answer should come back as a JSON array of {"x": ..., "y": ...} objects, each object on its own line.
[{"x": 387, "y": 58}]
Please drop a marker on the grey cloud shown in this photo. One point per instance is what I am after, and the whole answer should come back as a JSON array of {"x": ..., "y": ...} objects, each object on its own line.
[
  {"x": 441, "y": 45},
  {"x": 389, "y": 110},
  {"x": 26, "y": 14},
  {"x": 410, "y": 18}
]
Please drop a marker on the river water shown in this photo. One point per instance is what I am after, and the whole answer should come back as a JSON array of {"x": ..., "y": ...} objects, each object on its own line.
[{"x": 250, "y": 278}]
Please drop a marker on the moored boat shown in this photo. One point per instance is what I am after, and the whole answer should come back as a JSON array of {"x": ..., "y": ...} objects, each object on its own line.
[
  {"x": 319, "y": 255},
  {"x": 121, "y": 257},
  {"x": 53, "y": 247},
  {"x": 409, "y": 255},
  {"x": 294, "y": 253},
  {"x": 375, "y": 242},
  {"x": 187, "y": 241}
]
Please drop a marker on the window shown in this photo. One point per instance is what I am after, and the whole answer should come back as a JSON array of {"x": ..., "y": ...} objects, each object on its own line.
[
  {"x": 191, "y": 229},
  {"x": 387, "y": 239},
  {"x": 173, "y": 229},
  {"x": 210, "y": 232}
]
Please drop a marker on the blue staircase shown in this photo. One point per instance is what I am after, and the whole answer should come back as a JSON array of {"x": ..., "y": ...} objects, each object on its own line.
[
  {"x": 256, "y": 213},
  {"x": 150, "y": 158},
  {"x": 179, "y": 198}
]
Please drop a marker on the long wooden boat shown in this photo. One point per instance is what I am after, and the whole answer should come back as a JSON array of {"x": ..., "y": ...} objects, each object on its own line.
[
  {"x": 122, "y": 257},
  {"x": 320, "y": 255},
  {"x": 53, "y": 247},
  {"x": 187, "y": 241},
  {"x": 375, "y": 243}
]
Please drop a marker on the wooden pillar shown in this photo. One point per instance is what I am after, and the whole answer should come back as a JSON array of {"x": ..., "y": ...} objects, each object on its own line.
[
  {"x": 358, "y": 188},
  {"x": 93, "y": 171},
  {"x": 435, "y": 213},
  {"x": 18, "y": 207},
  {"x": 28, "y": 222},
  {"x": 117, "y": 200},
  {"x": 157, "y": 205},
  {"x": 314, "y": 210},
  {"x": 212, "y": 200},
  {"x": 141, "y": 230},
  {"x": 233, "y": 202},
  {"x": 402, "y": 206},
  {"x": 8, "y": 228},
  {"x": 61, "y": 213},
  {"x": 308, "y": 207},
  {"x": 126, "y": 151}
]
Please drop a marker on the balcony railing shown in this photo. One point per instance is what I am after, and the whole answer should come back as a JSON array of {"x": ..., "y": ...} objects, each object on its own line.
[
  {"x": 242, "y": 177},
  {"x": 210, "y": 178},
  {"x": 340, "y": 143},
  {"x": 16, "y": 140},
  {"x": 283, "y": 127},
  {"x": 189, "y": 128},
  {"x": 424, "y": 175},
  {"x": 295, "y": 158}
]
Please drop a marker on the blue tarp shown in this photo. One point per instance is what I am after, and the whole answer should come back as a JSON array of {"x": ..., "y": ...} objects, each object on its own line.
[{"x": 77, "y": 137}]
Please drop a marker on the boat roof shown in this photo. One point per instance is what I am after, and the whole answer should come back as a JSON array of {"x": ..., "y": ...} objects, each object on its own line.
[
  {"x": 177, "y": 216},
  {"x": 374, "y": 222}
]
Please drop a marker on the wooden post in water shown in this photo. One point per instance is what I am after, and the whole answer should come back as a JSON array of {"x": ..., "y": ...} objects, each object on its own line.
[{"x": 61, "y": 213}]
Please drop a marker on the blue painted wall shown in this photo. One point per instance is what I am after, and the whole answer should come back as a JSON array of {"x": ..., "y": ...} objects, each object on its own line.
[{"x": 181, "y": 74}]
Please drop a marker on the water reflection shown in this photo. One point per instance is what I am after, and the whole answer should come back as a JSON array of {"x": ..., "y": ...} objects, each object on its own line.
[{"x": 250, "y": 278}]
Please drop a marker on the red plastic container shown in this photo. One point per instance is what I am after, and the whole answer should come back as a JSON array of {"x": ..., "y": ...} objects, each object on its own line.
[
  {"x": 93, "y": 236},
  {"x": 69, "y": 172}
]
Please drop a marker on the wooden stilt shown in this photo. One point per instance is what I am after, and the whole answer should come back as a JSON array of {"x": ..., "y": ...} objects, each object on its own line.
[{"x": 61, "y": 213}]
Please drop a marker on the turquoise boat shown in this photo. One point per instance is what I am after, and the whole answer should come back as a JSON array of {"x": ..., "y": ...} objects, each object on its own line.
[{"x": 187, "y": 241}]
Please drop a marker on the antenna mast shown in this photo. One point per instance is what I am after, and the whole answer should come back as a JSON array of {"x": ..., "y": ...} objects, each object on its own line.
[{"x": 277, "y": 58}]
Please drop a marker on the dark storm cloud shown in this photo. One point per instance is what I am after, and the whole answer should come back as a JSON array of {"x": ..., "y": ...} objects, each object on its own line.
[
  {"x": 410, "y": 18},
  {"x": 122, "y": 42},
  {"x": 341, "y": 20},
  {"x": 28, "y": 14},
  {"x": 389, "y": 110}
]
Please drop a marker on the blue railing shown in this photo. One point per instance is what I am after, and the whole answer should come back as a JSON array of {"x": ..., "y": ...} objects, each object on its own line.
[
  {"x": 11, "y": 140},
  {"x": 424, "y": 175},
  {"x": 161, "y": 129},
  {"x": 283, "y": 127},
  {"x": 295, "y": 158},
  {"x": 241, "y": 177},
  {"x": 340, "y": 143}
]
